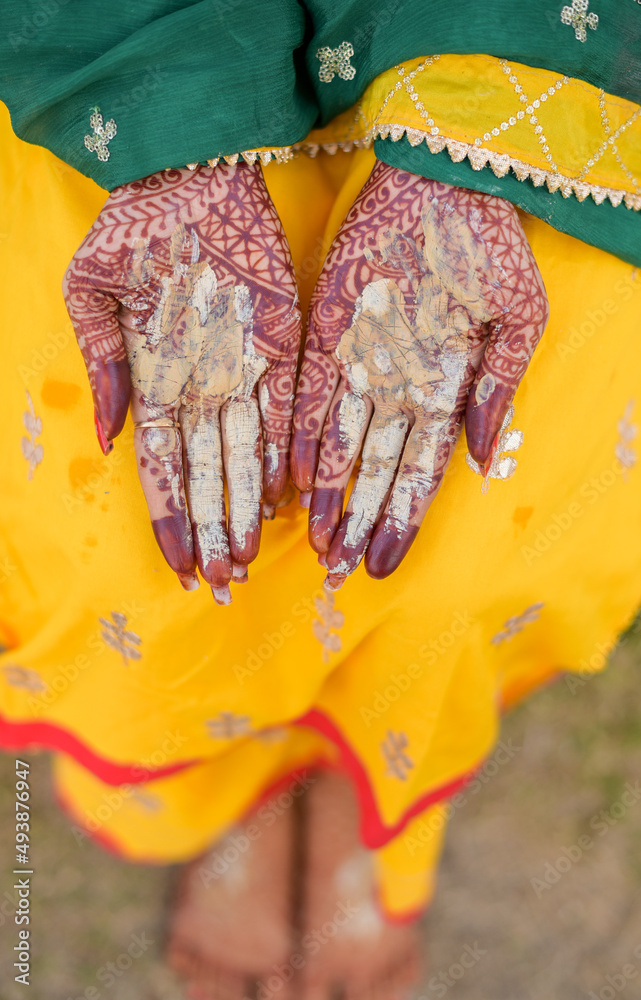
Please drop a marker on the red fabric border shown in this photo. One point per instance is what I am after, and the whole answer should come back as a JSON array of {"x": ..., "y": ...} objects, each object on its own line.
[
  {"x": 374, "y": 831},
  {"x": 46, "y": 735}
]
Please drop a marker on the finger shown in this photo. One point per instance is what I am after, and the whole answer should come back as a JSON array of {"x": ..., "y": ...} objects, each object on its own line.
[
  {"x": 508, "y": 352},
  {"x": 203, "y": 457},
  {"x": 316, "y": 387},
  {"x": 381, "y": 454},
  {"x": 276, "y": 398},
  {"x": 94, "y": 317},
  {"x": 425, "y": 458},
  {"x": 343, "y": 435},
  {"x": 242, "y": 456},
  {"x": 160, "y": 467}
]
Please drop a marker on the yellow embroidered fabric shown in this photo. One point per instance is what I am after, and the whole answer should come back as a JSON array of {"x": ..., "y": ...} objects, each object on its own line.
[
  {"x": 110, "y": 664},
  {"x": 553, "y": 129}
]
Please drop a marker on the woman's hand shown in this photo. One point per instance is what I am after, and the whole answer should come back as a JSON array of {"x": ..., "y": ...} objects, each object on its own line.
[
  {"x": 428, "y": 309},
  {"x": 183, "y": 299}
]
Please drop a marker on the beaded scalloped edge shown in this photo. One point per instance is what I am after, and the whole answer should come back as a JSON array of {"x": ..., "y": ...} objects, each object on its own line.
[{"x": 500, "y": 163}]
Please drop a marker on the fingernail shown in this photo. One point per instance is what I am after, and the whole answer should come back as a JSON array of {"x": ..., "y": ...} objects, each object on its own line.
[
  {"x": 269, "y": 512},
  {"x": 305, "y": 499},
  {"x": 333, "y": 582},
  {"x": 106, "y": 445},
  {"x": 323, "y": 560},
  {"x": 485, "y": 466},
  {"x": 240, "y": 573},
  {"x": 189, "y": 581},
  {"x": 222, "y": 595}
]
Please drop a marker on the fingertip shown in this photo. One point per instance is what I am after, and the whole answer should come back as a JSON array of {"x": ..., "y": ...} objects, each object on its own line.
[
  {"x": 240, "y": 573},
  {"x": 222, "y": 595},
  {"x": 112, "y": 391},
  {"x": 387, "y": 550},
  {"x": 325, "y": 513},
  {"x": 189, "y": 581},
  {"x": 303, "y": 459},
  {"x": 305, "y": 499},
  {"x": 483, "y": 422}
]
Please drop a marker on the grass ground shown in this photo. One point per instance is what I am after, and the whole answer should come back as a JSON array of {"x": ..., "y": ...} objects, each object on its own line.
[{"x": 545, "y": 918}]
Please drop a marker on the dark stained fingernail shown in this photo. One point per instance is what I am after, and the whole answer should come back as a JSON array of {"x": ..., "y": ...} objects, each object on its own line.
[
  {"x": 189, "y": 581},
  {"x": 112, "y": 391},
  {"x": 175, "y": 541},
  {"x": 222, "y": 595},
  {"x": 485, "y": 466},
  {"x": 303, "y": 459},
  {"x": 269, "y": 512},
  {"x": 334, "y": 582},
  {"x": 106, "y": 445},
  {"x": 287, "y": 497},
  {"x": 305, "y": 499},
  {"x": 386, "y": 550},
  {"x": 240, "y": 574},
  {"x": 325, "y": 513},
  {"x": 483, "y": 422}
]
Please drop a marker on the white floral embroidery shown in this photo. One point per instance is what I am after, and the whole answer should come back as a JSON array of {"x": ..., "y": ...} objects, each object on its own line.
[
  {"x": 23, "y": 677},
  {"x": 576, "y": 16},
  {"x": 227, "y": 725},
  {"x": 119, "y": 638},
  {"x": 330, "y": 618},
  {"x": 627, "y": 433},
  {"x": 517, "y": 623},
  {"x": 31, "y": 449},
  {"x": 336, "y": 61},
  {"x": 98, "y": 143},
  {"x": 502, "y": 466},
  {"x": 398, "y": 763}
]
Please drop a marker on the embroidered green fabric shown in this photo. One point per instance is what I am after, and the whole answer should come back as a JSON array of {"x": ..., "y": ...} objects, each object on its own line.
[
  {"x": 184, "y": 82},
  {"x": 617, "y": 230}
]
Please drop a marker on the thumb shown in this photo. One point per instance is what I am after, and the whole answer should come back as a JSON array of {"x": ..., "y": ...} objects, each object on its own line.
[{"x": 94, "y": 315}]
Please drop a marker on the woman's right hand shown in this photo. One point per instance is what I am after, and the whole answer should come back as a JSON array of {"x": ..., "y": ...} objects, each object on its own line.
[{"x": 184, "y": 301}]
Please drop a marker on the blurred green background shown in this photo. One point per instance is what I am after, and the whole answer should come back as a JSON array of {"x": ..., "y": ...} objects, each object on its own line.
[{"x": 579, "y": 743}]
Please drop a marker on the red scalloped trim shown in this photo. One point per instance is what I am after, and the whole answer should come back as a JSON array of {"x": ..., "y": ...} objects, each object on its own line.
[
  {"x": 22, "y": 735},
  {"x": 374, "y": 831}
]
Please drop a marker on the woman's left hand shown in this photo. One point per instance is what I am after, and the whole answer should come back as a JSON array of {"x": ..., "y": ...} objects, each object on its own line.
[{"x": 427, "y": 311}]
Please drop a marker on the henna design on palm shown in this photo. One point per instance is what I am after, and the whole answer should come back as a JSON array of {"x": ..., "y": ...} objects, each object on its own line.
[
  {"x": 427, "y": 310},
  {"x": 183, "y": 300}
]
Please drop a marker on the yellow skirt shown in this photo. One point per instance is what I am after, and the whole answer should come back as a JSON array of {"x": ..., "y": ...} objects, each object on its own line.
[{"x": 171, "y": 717}]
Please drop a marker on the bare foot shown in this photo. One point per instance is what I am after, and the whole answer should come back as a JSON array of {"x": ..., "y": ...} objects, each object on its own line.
[
  {"x": 231, "y": 925},
  {"x": 347, "y": 946}
]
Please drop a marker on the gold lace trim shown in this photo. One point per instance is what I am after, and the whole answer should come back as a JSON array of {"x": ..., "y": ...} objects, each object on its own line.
[{"x": 500, "y": 163}]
